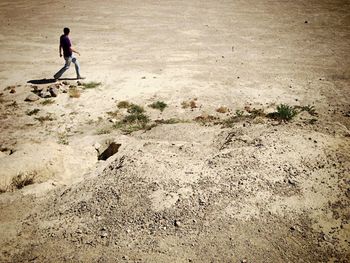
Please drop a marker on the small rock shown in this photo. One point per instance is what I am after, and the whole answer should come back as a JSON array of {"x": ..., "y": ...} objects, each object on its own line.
[
  {"x": 326, "y": 238},
  {"x": 13, "y": 90},
  {"x": 97, "y": 146},
  {"x": 201, "y": 201},
  {"x": 125, "y": 257},
  {"x": 45, "y": 94},
  {"x": 32, "y": 97},
  {"x": 65, "y": 82},
  {"x": 177, "y": 223},
  {"x": 292, "y": 182},
  {"x": 104, "y": 234},
  {"x": 54, "y": 91}
]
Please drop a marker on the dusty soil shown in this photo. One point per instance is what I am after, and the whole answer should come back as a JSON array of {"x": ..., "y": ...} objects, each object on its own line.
[{"x": 190, "y": 189}]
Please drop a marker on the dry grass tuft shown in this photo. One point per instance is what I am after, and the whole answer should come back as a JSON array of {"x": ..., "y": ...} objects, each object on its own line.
[
  {"x": 74, "y": 92},
  {"x": 23, "y": 179},
  {"x": 222, "y": 109},
  {"x": 189, "y": 104},
  {"x": 114, "y": 114},
  {"x": 91, "y": 85},
  {"x": 47, "y": 102},
  {"x": 32, "y": 112},
  {"x": 206, "y": 118},
  {"x": 42, "y": 119}
]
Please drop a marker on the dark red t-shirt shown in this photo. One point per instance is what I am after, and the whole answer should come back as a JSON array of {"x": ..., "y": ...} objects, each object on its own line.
[{"x": 65, "y": 44}]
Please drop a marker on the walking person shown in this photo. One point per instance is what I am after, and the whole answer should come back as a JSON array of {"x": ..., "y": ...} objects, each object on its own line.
[{"x": 68, "y": 51}]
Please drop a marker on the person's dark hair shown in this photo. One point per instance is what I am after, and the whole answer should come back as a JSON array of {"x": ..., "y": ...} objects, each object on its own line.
[{"x": 66, "y": 30}]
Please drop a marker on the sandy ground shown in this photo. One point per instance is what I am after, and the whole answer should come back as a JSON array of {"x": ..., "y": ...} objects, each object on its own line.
[{"x": 258, "y": 191}]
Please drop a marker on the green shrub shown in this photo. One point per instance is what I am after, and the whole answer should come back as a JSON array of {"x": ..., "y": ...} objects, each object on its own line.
[
  {"x": 239, "y": 113},
  {"x": 123, "y": 104},
  {"x": 135, "y": 109},
  {"x": 160, "y": 105},
  {"x": 284, "y": 112}
]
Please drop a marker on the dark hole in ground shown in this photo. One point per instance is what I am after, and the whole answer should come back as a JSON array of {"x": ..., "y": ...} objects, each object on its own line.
[{"x": 111, "y": 150}]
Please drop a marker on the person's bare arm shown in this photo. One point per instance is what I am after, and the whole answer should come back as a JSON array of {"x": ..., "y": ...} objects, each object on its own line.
[{"x": 74, "y": 51}]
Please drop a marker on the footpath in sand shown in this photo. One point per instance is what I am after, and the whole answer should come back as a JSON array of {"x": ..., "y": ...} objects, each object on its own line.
[{"x": 215, "y": 176}]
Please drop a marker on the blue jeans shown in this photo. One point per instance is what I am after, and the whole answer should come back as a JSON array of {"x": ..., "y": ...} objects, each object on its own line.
[{"x": 68, "y": 60}]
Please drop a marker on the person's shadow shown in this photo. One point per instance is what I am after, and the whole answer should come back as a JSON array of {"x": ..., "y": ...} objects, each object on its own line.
[{"x": 46, "y": 81}]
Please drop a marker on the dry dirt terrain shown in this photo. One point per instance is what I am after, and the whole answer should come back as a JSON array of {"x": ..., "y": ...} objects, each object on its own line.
[{"x": 92, "y": 173}]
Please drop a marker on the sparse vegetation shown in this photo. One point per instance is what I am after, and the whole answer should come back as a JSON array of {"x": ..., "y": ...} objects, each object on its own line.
[
  {"x": 134, "y": 121},
  {"x": 135, "y": 109},
  {"x": 189, "y": 104},
  {"x": 310, "y": 109},
  {"x": 103, "y": 131},
  {"x": 63, "y": 138},
  {"x": 228, "y": 123},
  {"x": 74, "y": 92},
  {"x": 284, "y": 113},
  {"x": 91, "y": 85},
  {"x": 114, "y": 114},
  {"x": 160, "y": 105},
  {"x": 42, "y": 119},
  {"x": 171, "y": 121},
  {"x": 47, "y": 102},
  {"x": 239, "y": 113},
  {"x": 222, "y": 109},
  {"x": 14, "y": 104},
  {"x": 22, "y": 180},
  {"x": 138, "y": 118},
  {"x": 123, "y": 104},
  {"x": 32, "y": 112},
  {"x": 205, "y": 118}
]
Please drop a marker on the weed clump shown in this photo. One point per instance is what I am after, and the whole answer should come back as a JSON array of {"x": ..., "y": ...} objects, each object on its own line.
[
  {"x": 123, "y": 104},
  {"x": 42, "y": 119},
  {"x": 310, "y": 109},
  {"x": 63, "y": 138},
  {"x": 22, "y": 180},
  {"x": 222, "y": 109},
  {"x": 103, "y": 131},
  {"x": 189, "y": 104},
  {"x": 134, "y": 121},
  {"x": 74, "y": 92},
  {"x": 284, "y": 112},
  {"x": 47, "y": 102},
  {"x": 160, "y": 105},
  {"x": 135, "y": 109},
  {"x": 113, "y": 114},
  {"x": 171, "y": 121},
  {"x": 205, "y": 118},
  {"x": 91, "y": 85},
  {"x": 32, "y": 112},
  {"x": 239, "y": 113}
]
